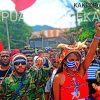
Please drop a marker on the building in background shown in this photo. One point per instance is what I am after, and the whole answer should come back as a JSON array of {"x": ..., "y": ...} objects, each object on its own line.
[{"x": 47, "y": 38}]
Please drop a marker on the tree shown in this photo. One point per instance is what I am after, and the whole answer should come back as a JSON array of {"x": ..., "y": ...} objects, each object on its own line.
[
  {"x": 19, "y": 31},
  {"x": 91, "y": 14}
]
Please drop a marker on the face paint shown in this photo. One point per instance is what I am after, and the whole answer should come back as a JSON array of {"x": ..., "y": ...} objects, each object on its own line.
[
  {"x": 77, "y": 63},
  {"x": 71, "y": 64}
]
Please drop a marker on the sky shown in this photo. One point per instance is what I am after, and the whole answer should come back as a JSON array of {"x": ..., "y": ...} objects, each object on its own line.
[{"x": 44, "y": 12}]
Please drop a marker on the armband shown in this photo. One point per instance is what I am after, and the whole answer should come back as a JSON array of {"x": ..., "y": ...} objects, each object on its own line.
[{"x": 97, "y": 37}]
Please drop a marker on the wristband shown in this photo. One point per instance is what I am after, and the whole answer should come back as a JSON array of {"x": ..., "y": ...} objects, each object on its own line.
[{"x": 97, "y": 37}]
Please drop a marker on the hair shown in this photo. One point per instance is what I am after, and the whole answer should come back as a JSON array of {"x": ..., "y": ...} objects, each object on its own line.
[
  {"x": 60, "y": 69},
  {"x": 28, "y": 55},
  {"x": 4, "y": 52}
]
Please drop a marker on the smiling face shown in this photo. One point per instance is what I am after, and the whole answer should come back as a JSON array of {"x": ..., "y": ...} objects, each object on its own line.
[{"x": 73, "y": 61}]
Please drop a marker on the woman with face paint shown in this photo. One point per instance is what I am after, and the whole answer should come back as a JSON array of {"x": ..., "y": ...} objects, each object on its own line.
[{"x": 70, "y": 81}]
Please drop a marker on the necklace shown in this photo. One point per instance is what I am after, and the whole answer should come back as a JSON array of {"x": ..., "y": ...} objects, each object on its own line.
[{"x": 75, "y": 81}]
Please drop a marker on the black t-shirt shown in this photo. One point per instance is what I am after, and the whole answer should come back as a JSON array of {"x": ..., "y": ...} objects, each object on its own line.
[{"x": 3, "y": 73}]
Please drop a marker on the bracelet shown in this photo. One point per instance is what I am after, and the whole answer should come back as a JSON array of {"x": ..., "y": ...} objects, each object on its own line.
[{"x": 97, "y": 37}]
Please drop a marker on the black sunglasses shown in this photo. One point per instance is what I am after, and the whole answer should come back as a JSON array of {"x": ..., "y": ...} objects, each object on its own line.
[{"x": 20, "y": 62}]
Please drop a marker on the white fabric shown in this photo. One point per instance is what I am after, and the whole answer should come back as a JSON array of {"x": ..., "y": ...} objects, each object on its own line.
[{"x": 50, "y": 82}]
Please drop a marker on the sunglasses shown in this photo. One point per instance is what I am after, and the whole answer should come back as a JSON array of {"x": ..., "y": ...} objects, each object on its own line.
[{"x": 20, "y": 62}]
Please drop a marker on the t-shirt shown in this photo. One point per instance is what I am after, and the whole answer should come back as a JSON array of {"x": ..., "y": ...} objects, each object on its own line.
[{"x": 3, "y": 73}]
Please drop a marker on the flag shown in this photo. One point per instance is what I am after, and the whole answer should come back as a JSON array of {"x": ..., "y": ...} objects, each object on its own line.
[
  {"x": 23, "y": 4},
  {"x": 1, "y": 46}
]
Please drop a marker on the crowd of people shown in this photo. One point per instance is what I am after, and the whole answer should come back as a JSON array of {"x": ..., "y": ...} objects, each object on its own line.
[{"x": 49, "y": 75}]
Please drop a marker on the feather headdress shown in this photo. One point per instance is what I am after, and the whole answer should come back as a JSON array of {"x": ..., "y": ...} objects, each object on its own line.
[
  {"x": 77, "y": 46},
  {"x": 71, "y": 48}
]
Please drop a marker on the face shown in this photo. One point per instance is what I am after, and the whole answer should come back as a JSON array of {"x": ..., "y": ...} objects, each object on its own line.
[
  {"x": 56, "y": 63},
  {"x": 5, "y": 59},
  {"x": 46, "y": 55},
  {"x": 39, "y": 62},
  {"x": 73, "y": 61},
  {"x": 20, "y": 66},
  {"x": 30, "y": 61}
]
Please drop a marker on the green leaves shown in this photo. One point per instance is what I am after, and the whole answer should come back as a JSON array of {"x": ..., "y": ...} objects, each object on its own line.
[
  {"x": 89, "y": 25},
  {"x": 18, "y": 30}
]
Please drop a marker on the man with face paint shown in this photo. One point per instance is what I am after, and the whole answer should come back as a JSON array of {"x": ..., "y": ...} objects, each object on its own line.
[{"x": 70, "y": 81}]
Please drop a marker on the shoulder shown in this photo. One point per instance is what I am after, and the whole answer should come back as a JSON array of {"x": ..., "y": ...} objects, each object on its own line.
[
  {"x": 59, "y": 75},
  {"x": 59, "y": 78},
  {"x": 9, "y": 80}
]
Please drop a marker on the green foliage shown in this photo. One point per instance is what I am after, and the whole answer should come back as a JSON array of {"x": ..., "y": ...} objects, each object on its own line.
[
  {"x": 85, "y": 35},
  {"x": 88, "y": 17},
  {"x": 19, "y": 32},
  {"x": 88, "y": 25}
]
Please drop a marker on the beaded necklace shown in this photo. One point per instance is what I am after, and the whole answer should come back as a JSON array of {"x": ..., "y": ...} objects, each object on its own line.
[{"x": 75, "y": 81}]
